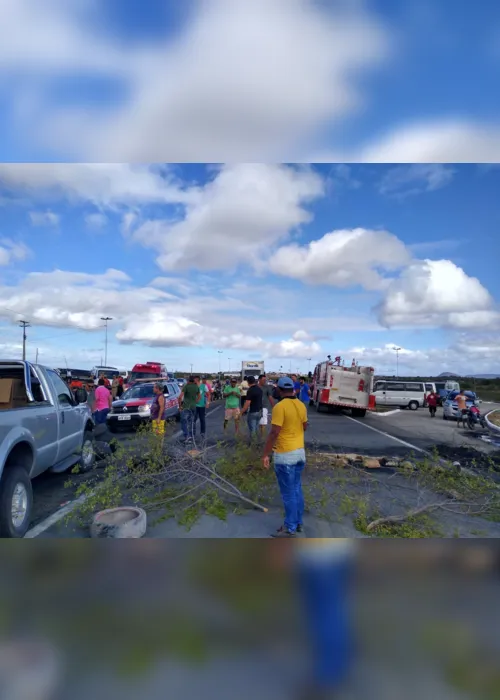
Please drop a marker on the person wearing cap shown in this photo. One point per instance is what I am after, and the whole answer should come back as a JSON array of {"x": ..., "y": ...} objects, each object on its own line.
[{"x": 286, "y": 442}]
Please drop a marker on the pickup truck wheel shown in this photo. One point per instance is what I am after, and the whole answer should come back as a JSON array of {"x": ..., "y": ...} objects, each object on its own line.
[
  {"x": 87, "y": 460},
  {"x": 16, "y": 502}
]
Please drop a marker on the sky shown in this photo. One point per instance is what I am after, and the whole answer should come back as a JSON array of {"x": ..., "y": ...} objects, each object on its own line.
[
  {"x": 201, "y": 264},
  {"x": 240, "y": 81}
]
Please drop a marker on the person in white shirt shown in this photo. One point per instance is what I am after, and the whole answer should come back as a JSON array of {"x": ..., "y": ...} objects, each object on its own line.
[{"x": 244, "y": 386}]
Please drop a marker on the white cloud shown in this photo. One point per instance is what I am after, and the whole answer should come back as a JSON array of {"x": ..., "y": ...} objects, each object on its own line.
[
  {"x": 344, "y": 258},
  {"x": 96, "y": 220},
  {"x": 241, "y": 81},
  {"x": 44, "y": 218},
  {"x": 11, "y": 251},
  {"x": 465, "y": 357},
  {"x": 406, "y": 180},
  {"x": 440, "y": 141},
  {"x": 141, "y": 315},
  {"x": 437, "y": 293},
  {"x": 103, "y": 184},
  {"x": 453, "y": 141},
  {"x": 234, "y": 218}
]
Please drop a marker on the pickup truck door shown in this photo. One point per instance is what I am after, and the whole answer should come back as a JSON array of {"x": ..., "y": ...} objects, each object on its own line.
[{"x": 70, "y": 418}]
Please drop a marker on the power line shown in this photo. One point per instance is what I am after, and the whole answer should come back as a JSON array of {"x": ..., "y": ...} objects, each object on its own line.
[{"x": 24, "y": 325}]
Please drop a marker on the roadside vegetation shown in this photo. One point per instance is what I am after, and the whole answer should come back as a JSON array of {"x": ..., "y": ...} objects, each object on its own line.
[
  {"x": 371, "y": 497},
  {"x": 494, "y": 418}
]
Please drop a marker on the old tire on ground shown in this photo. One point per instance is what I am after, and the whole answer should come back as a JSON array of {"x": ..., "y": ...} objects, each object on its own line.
[
  {"x": 358, "y": 412},
  {"x": 88, "y": 456},
  {"x": 16, "y": 502},
  {"x": 413, "y": 405},
  {"x": 126, "y": 522}
]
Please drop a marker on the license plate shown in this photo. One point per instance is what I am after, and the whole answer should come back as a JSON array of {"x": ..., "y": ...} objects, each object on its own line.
[{"x": 124, "y": 417}]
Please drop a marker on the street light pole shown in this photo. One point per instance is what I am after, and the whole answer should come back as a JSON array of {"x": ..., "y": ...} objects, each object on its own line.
[
  {"x": 106, "y": 319},
  {"x": 309, "y": 364},
  {"x": 219, "y": 352},
  {"x": 229, "y": 360},
  {"x": 397, "y": 361}
]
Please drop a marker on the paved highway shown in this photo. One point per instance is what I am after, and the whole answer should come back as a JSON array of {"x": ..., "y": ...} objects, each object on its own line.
[{"x": 398, "y": 434}]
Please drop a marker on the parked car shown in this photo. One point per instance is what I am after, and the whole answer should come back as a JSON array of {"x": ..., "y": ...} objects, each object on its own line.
[
  {"x": 410, "y": 395},
  {"x": 450, "y": 407},
  {"x": 42, "y": 427},
  {"x": 180, "y": 381},
  {"x": 134, "y": 407}
]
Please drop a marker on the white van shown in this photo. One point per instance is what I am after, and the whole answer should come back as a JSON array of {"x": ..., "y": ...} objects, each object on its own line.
[{"x": 400, "y": 394}]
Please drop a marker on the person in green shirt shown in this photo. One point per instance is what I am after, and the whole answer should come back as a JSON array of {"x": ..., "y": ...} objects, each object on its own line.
[
  {"x": 188, "y": 399},
  {"x": 202, "y": 405},
  {"x": 232, "y": 394}
]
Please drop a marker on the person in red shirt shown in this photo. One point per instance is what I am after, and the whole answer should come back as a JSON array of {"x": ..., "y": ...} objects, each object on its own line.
[{"x": 432, "y": 402}]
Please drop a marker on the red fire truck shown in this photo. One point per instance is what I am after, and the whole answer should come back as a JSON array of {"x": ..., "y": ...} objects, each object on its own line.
[
  {"x": 345, "y": 387},
  {"x": 152, "y": 371}
]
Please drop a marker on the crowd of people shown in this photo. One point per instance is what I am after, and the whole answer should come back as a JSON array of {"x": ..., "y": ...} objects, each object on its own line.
[
  {"x": 257, "y": 400},
  {"x": 99, "y": 396}
]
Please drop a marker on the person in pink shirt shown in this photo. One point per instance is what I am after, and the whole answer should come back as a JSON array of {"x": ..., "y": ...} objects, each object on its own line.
[{"x": 102, "y": 402}]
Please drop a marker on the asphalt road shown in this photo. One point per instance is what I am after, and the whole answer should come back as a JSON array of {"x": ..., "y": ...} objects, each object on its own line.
[{"x": 398, "y": 434}]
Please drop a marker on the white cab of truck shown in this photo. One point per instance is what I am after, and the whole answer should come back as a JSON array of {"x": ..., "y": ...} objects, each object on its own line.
[
  {"x": 41, "y": 427},
  {"x": 252, "y": 368}
]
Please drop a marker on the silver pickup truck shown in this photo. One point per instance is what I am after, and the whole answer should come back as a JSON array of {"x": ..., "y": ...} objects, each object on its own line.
[{"x": 41, "y": 428}]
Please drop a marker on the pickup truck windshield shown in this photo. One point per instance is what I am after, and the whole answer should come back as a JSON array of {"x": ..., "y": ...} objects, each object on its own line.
[{"x": 138, "y": 392}]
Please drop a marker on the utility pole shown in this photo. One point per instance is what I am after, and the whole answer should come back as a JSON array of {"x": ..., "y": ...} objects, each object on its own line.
[
  {"x": 106, "y": 319},
  {"x": 36, "y": 357},
  {"x": 24, "y": 325},
  {"x": 309, "y": 364},
  {"x": 219, "y": 352},
  {"x": 229, "y": 360}
]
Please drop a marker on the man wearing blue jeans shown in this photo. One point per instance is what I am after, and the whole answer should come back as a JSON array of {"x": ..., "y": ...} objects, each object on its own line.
[
  {"x": 286, "y": 442},
  {"x": 201, "y": 406},
  {"x": 187, "y": 403},
  {"x": 323, "y": 571},
  {"x": 253, "y": 407}
]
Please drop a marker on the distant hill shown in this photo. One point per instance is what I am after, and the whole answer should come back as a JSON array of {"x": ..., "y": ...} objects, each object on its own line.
[
  {"x": 486, "y": 376},
  {"x": 450, "y": 375}
]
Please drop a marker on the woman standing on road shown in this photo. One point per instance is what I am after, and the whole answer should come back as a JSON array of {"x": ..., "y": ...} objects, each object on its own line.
[
  {"x": 103, "y": 401},
  {"x": 158, "y": 410}
]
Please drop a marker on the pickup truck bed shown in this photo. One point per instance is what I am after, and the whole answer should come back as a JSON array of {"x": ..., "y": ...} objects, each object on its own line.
[{"x": 41, "y": 428}]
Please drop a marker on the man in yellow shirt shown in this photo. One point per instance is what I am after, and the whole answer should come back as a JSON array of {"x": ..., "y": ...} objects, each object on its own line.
[{"x": 286, "y": 441}]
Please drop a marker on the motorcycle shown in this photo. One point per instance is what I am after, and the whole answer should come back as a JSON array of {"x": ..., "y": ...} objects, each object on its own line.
[{"x": 474, "y": 418}]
